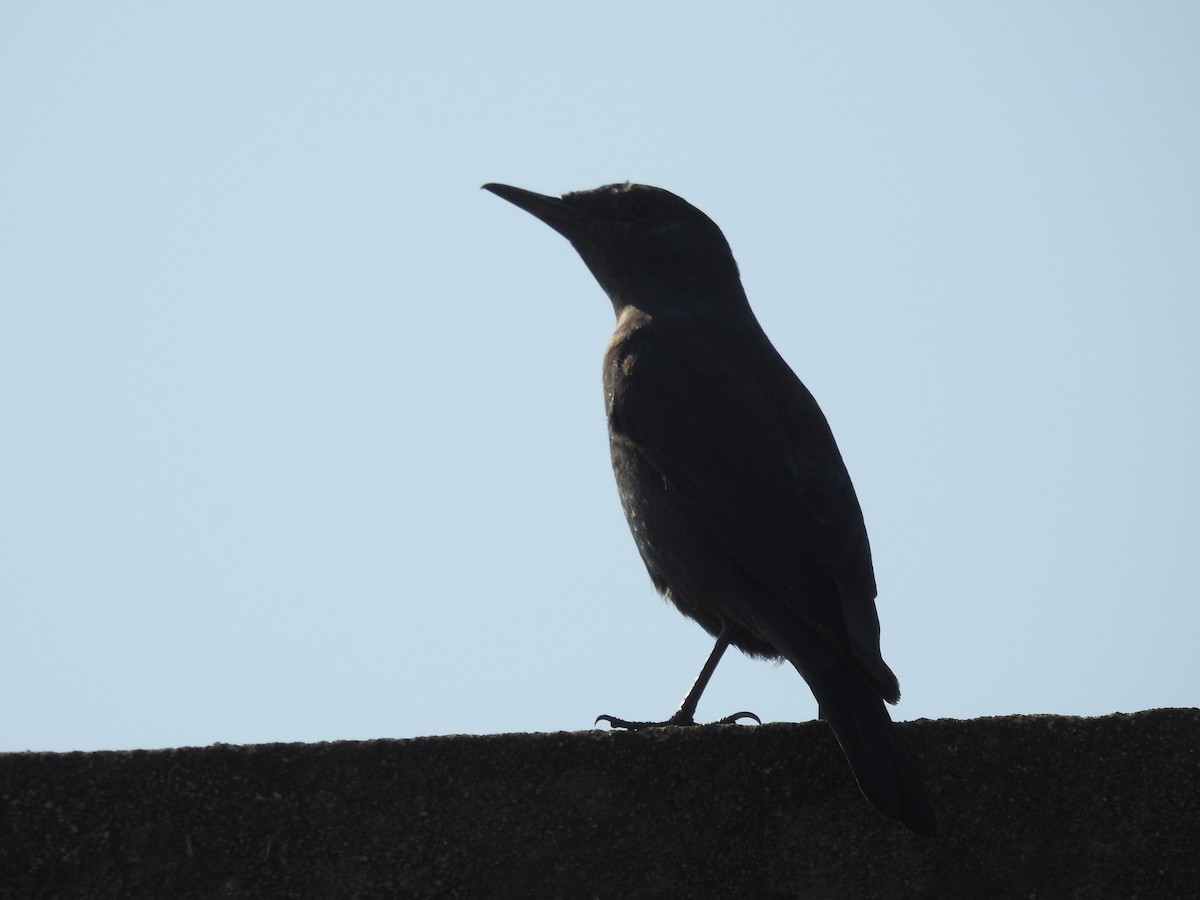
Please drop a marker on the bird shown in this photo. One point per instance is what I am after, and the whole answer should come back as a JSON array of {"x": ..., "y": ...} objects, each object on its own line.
[{"x": 729, "y": 476}]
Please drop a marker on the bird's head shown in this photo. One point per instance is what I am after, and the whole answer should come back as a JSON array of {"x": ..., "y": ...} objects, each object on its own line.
[{"x": 647, "y": 247}]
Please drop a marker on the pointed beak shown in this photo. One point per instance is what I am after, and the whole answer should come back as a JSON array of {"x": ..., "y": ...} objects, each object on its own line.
[{"x": 554, "y": 211}]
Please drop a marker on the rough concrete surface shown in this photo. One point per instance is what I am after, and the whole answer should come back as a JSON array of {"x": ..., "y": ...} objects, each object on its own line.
[{"x": 1029, "y": 807}]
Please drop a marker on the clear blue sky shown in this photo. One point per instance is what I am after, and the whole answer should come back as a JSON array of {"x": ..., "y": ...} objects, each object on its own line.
[{"x": 303, "y": 435}]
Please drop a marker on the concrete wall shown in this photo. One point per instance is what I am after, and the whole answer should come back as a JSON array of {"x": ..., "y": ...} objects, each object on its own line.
[{"x": 1029, "y": 807}]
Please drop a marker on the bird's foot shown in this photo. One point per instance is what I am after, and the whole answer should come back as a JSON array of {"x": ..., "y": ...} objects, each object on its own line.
[{"x": 680, "y": 719}]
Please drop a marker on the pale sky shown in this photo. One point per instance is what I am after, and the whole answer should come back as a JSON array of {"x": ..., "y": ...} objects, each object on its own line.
[{"x": 303, "y": 434}]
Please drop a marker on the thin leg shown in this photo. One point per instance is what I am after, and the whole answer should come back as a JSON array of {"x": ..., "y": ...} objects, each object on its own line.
[
  {"x": 687, "y": 709},
  {"x": 686, "y": 713}
]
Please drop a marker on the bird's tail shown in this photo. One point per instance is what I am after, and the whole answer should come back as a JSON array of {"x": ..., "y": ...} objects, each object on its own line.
[
  {"x": 868, "y": 737},
  {"x": 856, "y": 713}
]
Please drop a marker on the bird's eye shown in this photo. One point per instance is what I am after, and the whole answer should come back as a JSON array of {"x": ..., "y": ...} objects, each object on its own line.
[{"x": 645, "y": 209}]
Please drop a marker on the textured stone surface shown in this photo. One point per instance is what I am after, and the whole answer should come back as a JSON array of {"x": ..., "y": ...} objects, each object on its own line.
[{"x": 1029, "y": 807}]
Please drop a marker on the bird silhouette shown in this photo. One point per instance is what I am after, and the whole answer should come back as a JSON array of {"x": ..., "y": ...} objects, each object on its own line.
[{"x": 731, "y": 481}]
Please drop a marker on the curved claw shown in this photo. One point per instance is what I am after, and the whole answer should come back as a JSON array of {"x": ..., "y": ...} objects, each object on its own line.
[{"x": 732, "y": 718}]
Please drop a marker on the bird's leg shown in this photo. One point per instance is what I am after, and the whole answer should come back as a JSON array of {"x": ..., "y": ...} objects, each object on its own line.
[
  {"x": 685, "y": 715},
  {"x": 687, "y": 709}
]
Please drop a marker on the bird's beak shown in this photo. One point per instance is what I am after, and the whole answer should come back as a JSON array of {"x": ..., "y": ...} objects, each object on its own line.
[{"x": 555, "y": 212}]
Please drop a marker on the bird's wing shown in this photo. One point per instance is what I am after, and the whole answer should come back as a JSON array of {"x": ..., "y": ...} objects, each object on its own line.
[{"x": 749, "y": 452}]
